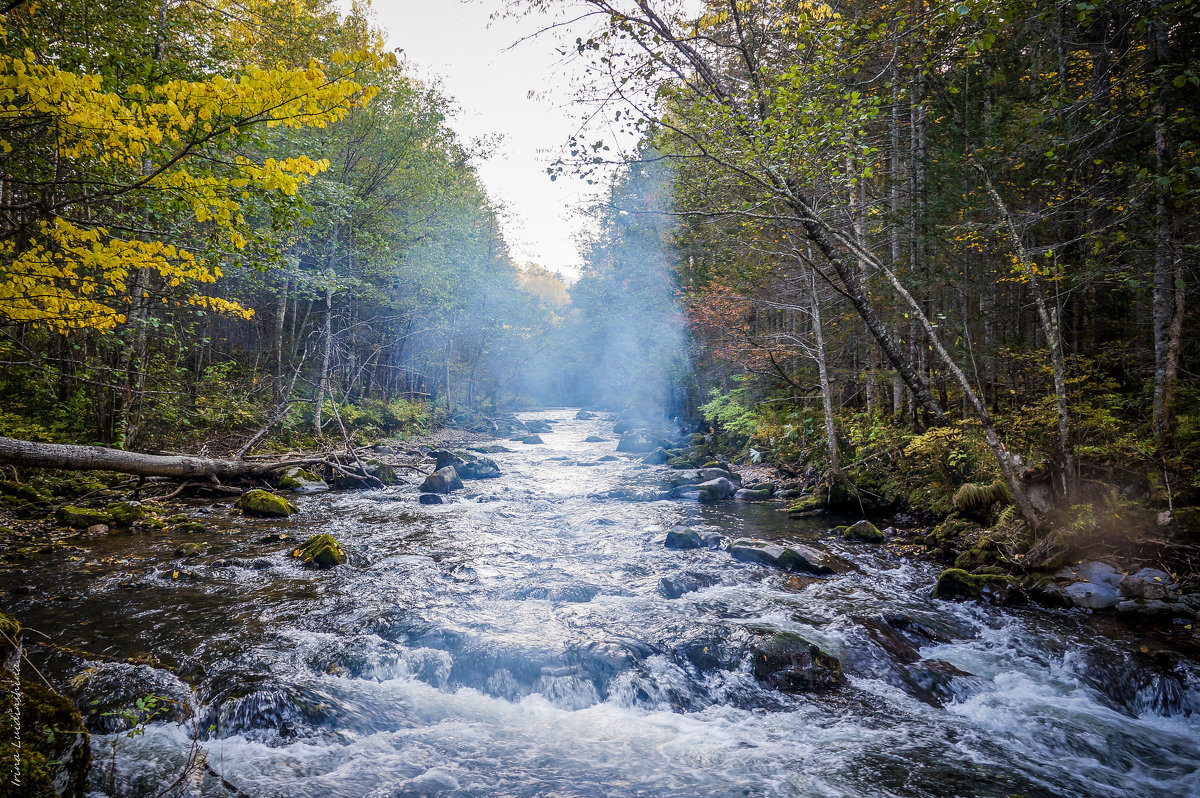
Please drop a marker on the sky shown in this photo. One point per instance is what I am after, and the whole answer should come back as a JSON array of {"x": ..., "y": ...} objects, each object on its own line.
[{"x": 520, "y": 91}]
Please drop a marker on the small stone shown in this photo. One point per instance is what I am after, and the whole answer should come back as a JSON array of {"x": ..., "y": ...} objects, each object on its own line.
[
  {"x": 191, "y": 549},
  {"x": 299, "y": 480},
  {"x": 126, "y": 514},
  {"x": 431, "y": 498},
  {"x": 98, "y": 529}
]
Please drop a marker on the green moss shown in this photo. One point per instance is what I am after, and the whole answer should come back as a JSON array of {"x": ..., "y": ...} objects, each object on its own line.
[
  {"x": 974, "y": 559},
  {"x": 296, "y": 478},
  {"x": 154, "y": 523},
  {"x": 21, "y": 491},
  {"x": 178, "y": 518},
  {"x": 81, "y": 517},
  {"x": 265, "y": 504},
  {"x": 949, "y": 531},
  {"x": 958, "y": 585},
  {"x": 863, "y": 531},
  {"x": 320, "y": 551},
  {"x": 126, "y": 514},
  {"x": 806, "y": 504},
  {"x": 191, "y": 527}
]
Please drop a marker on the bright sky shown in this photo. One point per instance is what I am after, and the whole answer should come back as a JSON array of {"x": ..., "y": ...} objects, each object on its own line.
[{"x": 522, "y": 93}]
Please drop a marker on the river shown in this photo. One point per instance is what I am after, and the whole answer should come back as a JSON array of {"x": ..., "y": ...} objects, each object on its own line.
[{"x": 531, "y": 638}]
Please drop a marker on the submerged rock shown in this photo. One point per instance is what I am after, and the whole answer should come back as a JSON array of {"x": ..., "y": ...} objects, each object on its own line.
[
  {"x": 793, "y": 557},
  {"x": 81, "y": 517},
  {"x": 683, "y": 538},
  {"x": 443, "y": 480},
  {"x": 538, "y": 425},
  {"x": 863, "y": 531},
  {"x": 301, "y": 481},
  {"x": 532, "y": 440},
  {"x": 320, "y": 551},
  {"x": 594, "y": 439},
  {"x": 584, "y": 415},
  {"x": 431, "y": 498},
  {"x": 788, "y": 662},
  {"x": 264, "y": 504},
  {"x": 638, "y": 441}
]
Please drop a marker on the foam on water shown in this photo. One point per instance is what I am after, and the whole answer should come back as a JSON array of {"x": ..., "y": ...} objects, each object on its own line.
[{"x": 532, "y": 638}]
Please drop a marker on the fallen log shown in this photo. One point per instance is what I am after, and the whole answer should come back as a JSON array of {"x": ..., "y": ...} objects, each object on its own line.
[{"x": 99, "y": 458}]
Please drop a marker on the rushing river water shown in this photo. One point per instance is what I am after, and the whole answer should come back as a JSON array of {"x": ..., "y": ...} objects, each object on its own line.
[{"x": 528, "y": 638}]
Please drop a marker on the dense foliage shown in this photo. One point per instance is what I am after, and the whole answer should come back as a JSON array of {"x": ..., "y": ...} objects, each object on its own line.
[
  {"x": 893, "y": 217},
  {"x": 216, "y": 216}
]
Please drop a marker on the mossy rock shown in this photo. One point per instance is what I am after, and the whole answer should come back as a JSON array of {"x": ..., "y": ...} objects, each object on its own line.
[
  {"x": 191, "y": 549},
  {"x": 320, "y": 551},
  {"x": 864, "y": 532},
  {"x": 807, "y": 504},
  {"x": 178, "y": 518},
  {"x": 81, "y": 517},
  {"x": 154, "y": 523},
  {"x": 191, "y": 527},
  {"x": 264, "y": 504},
  {"x": 974, "y": 559},
  {"x": 950, "y": 530},
  {"x": 956, "y": 584},
  {"x": 19, "y": 490},
  {"x": 301, "y": 481},
  {"x": 126, "y": 514}
]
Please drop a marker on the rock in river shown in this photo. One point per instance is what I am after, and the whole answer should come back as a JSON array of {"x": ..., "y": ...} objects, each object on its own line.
[
  {"x": 265, "y": 504},
  {"x": 863, "y": 531},
  {"x": 320, "y": 551},
  {"x": 790, "y": 663},
  {"x": 681, "y": 537},
  {"x": 300, "y": 480},
  {"x": 443, "y": 480},
  {"x": 792, "y": 557}
]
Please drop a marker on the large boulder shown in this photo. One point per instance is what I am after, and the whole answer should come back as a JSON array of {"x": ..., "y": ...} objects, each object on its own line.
[
  {"x": 638, "y": 441},
  {"x": 443, "y": 480},
  {"x": 1092, "y": 595},
  {"x": 320, "y": 551},
  {"x": 264, "y": 504},
  {"x": 791, "y": 557},
  {"x": 300, "y": 480},
  {"x": 715, "y": 490},
  {"x": 532, "y": 439},
  {"x": 788, "y": 662},
  {"x": 468, "y": 466},
  {"x": 584, "y": 415}
]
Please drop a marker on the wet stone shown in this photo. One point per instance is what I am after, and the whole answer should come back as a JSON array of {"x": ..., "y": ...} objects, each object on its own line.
[
  {"x": 794, "y": 557},
  {"x": 431, "y": 498}
]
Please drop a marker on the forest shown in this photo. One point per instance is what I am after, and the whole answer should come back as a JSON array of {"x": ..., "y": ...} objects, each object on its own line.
[{"x": 929, "y": 259}]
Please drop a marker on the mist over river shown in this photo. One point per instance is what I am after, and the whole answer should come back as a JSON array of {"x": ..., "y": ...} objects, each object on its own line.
[{"x": 533, "y": 637}]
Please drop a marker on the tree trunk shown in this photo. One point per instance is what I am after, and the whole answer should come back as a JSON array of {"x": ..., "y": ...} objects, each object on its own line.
[
  {"x": 835, "y": 466},
  {"x": 28, "y": 454},
  {"x": 326, "y": 357}
]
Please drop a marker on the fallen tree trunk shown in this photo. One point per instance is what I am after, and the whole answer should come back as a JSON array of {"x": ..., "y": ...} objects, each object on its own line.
[{"x": 98, "y": 458}]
